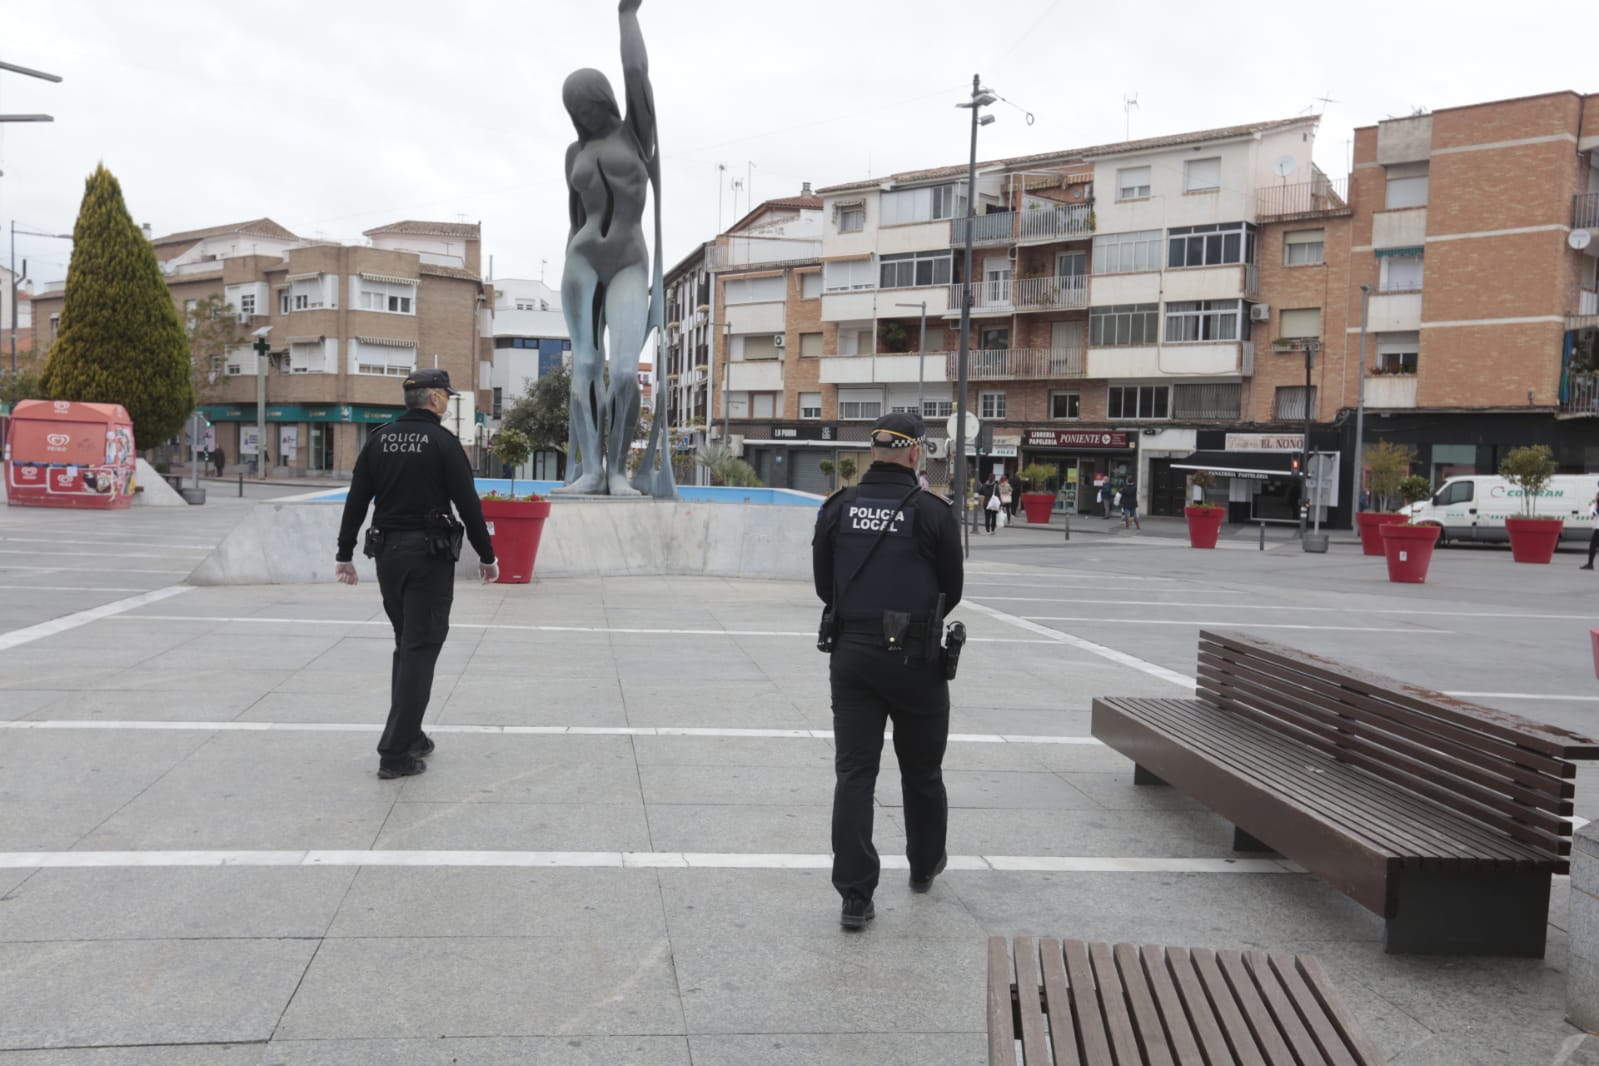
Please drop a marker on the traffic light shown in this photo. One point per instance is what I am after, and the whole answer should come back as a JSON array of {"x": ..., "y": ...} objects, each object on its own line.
[{"x": 1295, "y": 467}]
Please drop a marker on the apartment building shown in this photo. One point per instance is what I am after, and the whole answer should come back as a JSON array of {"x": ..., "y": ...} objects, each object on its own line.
[
  {"x": 684, "y": 394},
  {"x": 348, "y": 321}
]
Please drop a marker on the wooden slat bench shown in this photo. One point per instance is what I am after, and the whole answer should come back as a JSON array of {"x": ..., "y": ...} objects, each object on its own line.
[
  {"x": 1070, "y": 1002},
  {"x": 1445, "y": 817}
]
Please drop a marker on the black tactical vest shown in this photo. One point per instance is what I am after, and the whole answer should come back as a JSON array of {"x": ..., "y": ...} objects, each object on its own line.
[{"x": 899, "y": 575}]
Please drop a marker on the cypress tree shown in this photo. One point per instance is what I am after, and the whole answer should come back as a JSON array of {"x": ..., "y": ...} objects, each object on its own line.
[{"x": 121, "y": 339}]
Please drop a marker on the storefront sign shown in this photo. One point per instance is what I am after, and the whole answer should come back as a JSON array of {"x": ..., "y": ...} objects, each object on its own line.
[
  {"x": 1075, "y": 438},
  {"x": 804, "y": 433},
  {"x": 1265, "y": 442},
  {"x": 998, "y": 451}
]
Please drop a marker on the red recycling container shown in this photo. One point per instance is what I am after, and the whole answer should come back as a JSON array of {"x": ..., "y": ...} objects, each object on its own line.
[
  {"x": 515, "y": 527},
  {"x": 1409, "y": 551}
]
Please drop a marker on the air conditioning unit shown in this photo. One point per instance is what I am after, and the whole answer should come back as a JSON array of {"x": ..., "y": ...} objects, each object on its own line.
[
  {"x": 778, "y": 340},
  {"x": 735, "y": 444},
  {"x": 1260, "y": 312},
  {"x": 936, "y": 447}
]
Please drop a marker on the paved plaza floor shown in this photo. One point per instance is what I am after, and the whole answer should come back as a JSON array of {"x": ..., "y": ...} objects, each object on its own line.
[{"x": 619, "y": 853}]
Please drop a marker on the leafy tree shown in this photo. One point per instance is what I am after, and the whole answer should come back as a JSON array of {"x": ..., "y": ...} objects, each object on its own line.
[
  {"x": 846, "y": 469},
  {"x": 23, "y": 385},
  {"x": 212, "y": 326},
  {"x": 727, "y": 468},
  {"x": 1388, "y": 463},
  {"x": 121, "y": 340},
  {"x": 512, "y": 448},
  {"x": 1529, "y": 469},
  {"x": 544, "y": 412}
]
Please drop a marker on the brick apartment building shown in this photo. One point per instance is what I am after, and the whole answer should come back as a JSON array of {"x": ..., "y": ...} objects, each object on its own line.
[{"x": 347, "y": 323}]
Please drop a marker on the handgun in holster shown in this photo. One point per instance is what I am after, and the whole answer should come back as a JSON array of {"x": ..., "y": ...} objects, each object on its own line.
[
  {"x": 372, "y": 546},
  {"x": 444, "y": 535}
]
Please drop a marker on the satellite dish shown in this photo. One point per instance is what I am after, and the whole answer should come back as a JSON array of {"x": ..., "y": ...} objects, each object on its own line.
[
  {"x": 1580, "y": 239},
  {"x": 1285, "y": 166}
]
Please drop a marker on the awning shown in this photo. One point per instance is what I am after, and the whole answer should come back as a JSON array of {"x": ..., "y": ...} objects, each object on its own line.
[
  {"x": 1254, "y": 465},
  {"x": 1386, "y": 253},
  {"x": 387, "y": 342},
  {"x": 391, "y": 279},
  {"x": 304, "y": 277}
]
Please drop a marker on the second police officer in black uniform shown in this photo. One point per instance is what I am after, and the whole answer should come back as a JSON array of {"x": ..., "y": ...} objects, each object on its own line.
[
  {"x": 416, "y": 469},
  {"x": 887, "y": 562}
]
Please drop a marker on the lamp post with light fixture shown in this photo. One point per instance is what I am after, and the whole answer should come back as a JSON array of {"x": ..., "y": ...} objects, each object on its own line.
[
  {"x": 981, "y": 98},
  {"x": 14, "y": 281}
]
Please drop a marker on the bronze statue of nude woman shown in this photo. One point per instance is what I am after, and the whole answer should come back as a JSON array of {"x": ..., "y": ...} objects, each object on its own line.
[{"x": 607, "y": 281}]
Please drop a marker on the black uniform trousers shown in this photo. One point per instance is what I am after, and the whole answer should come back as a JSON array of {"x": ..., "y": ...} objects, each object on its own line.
[
  {"x": 418, "y": 590},
  {"x": 872, "y": 685},
  {"x": 1593, "y": 543}
]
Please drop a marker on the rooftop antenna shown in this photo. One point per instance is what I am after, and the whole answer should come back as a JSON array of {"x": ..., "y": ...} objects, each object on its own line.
[
  {"x": 542, "y": 264},
  {"x": 721, "y": 168},
  {"x": 749, "y": 184},
  {"x": 737, "y": 185},
  {"x": 1128, "y": 103}
]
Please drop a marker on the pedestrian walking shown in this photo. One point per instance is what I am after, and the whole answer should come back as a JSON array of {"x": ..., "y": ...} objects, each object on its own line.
[
  {"x": 415, "y": 469},
  {"x": 1105, "y": 496},
  {"x": 1007, "y": 496},
  {"x": 219, "y": 459},
  {"x": 988, "y": 494},
  {"x": 1130, "y": 505},
  {"x": 887, "y": 563},
  {"x": 1593, "y": 537}
]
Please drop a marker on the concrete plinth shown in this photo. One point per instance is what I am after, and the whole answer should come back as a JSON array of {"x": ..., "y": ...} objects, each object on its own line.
[
  {"x": 1582, "y": 975},
  {"x": 286, "y": 543}
]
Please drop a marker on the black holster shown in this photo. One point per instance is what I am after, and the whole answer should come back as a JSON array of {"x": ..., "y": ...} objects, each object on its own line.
[
  {"x": 954, "y": 640},
  {"x": 444, "y": 535},
  {"x": 372, "y": 546}
]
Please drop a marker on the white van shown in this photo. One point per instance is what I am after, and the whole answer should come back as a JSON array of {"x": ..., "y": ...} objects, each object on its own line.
[{"x": 1474, "y": 508}]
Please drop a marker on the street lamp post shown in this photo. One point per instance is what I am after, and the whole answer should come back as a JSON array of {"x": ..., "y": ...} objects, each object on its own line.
[
  {"x": 981, "y": 98},
  {"x": 921, "y": 355},
  {"x": 1304, "y": 462},
  {"x": 13, "y": 284},
  {"x": 1360, "y": 413}
]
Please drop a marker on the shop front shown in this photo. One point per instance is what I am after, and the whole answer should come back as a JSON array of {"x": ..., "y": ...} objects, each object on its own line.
[
  {"x": 1082, "y": 460},
  {"x": 1258, "y": 476},
  {"x": 791, "y": 455},
  {"x": 301, "y": 438}
]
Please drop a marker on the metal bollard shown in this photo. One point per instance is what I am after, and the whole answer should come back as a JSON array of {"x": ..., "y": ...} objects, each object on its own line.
[
  {"x": 241, "y": 484},
  {"x": 1066, "y": 520},
  {"x": 1263, "y": 536}
]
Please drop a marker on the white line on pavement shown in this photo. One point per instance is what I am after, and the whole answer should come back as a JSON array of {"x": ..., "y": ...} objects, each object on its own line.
[
  {"x": 1522, "y": 696},
  {"x": 618, "y": 860},
  {"x": 510, "y": 730},
  {"x": 119, "y": 569},
  {"x": 1119, "y": 657},
  {"x": 62, "y": 540},
  {"x": 101, "y": 555},
  {"x": 1431, "y": 613},
  {"x": 19, "y": 637},
  {"x": 69, "y": 588},
  {"x": 1102, "y": 620}
]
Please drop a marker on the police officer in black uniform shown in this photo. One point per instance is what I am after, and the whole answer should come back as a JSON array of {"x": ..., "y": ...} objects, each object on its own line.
[
  {"x": 416, "y": 469},
  {"x": 887, "y": 562}
]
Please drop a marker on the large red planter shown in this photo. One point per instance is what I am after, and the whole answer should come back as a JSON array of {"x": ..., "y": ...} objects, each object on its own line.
[
  {"x": 1533, "y": 540},
  {"x": 1368, "y": 522},
  {"x": 1038, "y": 506},
  {"x": 1409, "y": 551},
  {"x": 515, "y": 527},
  {"x": 1204, "y": 525}
]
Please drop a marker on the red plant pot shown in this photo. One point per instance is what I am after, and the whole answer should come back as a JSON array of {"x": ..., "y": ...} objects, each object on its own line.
[
  {"x": 1369, "y": 523},
  {"x": 1204, "y": 525},
  {"x": 1409, "y": 551},
  {"x": 1533, "y": 540},
  {"x": 1038, "y": 506},
  {"x": 515, "y": 527}
]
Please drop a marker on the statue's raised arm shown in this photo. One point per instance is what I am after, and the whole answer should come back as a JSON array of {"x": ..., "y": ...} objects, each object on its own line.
[{"x": 636, "y": 79}]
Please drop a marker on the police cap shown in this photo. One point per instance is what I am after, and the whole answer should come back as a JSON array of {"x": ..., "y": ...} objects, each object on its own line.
[
  {"x": 898, "y": 430},
  {"x": 430, "y": 379}
]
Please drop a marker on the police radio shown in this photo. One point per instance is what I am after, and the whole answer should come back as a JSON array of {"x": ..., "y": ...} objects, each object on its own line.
[{"x": 826, "y": 631}]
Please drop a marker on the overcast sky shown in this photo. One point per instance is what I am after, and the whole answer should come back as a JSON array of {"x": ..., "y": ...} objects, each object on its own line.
[{"x": 334, "y": 117}]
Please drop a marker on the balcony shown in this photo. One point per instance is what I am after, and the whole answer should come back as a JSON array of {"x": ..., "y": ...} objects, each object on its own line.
[
  {"x": 1060, "y": 222},
  {"x": 1585, "y": 211},
  {"x": 1310, "y": 199},
  {"x": 1391, "y": 390},
  {"x": 988, "y": 297},
  {"x": 997, "y": 227},
  {"x": 1050, "y": 294},
  {"x": 747, "y": 253},
  {"x": 874, "y": 369},
  {"x": 1581, "y": 395},
  {"x": 1018, "y": 364}
]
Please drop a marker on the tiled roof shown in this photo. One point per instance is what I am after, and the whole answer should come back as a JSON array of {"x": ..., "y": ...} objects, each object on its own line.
[
  {"x": 438, "y": 271},
  {"x": 795, "y": 203},
  {"x": 262, "y": 227},
  {"x": 418, "y": 228},
  {"x": 910, "y": 177}
]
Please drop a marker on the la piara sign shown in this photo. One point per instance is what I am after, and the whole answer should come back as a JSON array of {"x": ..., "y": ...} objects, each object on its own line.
[{"x": 1075, "y": 438}]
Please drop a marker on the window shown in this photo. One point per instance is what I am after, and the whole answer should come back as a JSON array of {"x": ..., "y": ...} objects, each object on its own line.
[
  {"x": 1396, "y": 353},
  {"x": 499, "y": 401},
  {"x": 1207, "y": 400},
  {"x": 390, "y": 297},
  {"x": 55, "y": 326},
  {"x": 937, "y": 408},
  {"x": 1407, "y": 186},
  {"x": 1203, "y": 320},
  {"x": 1291, "y": 402},
  {"x": 993, "y": 338},
  {"x": 757, "y": 346},
  {"x": 991, "y": 405},
  {"x": 189, "y": 307},
  {"x": 904, "y": 206},
  {"x": 856, "y": 338},
  {"x": 247, "y": 304},
  {"x": 1202, "y": 175},
  {"x": 756, "y": 290},
  {"x": 810, "y": 344},
  {"x": 373, "y": 357},
  {"x": 1123, "y": 324},
  {"x": 852, "y": 219},
  {"x": 1401, "y": 273},
  {"x": 1065, "y": 405},
  {"x": 1303, "y": 322},
  {"x": 765, "y": 404},
  {"x": 1121, "y": 253},
  {"x": 810, "y": 286},
  {"x": 810, "y": 406},
  {"x": 859, "y": 405},
  {"x": 1459, "y": 492},
  {"x": 1213, "y": 245},
  {"x": 306, "y": 294},
  {"x": 1136, "y": 401},
  {"x": 310, "y": 357},
  {"x": 1132, "y": 183},
  {"x": 285, "y": 302},
  {"x": 1306, "y": 247},
  {"x": 907, "y": 269},
  {"x": 844, "y": 275}
]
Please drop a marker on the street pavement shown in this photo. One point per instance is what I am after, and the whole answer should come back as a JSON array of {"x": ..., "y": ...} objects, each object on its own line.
[{"x": 619, "y": 853}]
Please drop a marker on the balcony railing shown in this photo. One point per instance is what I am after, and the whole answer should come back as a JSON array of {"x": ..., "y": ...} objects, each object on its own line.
[
  {"x": 987, "y": 296},
  {"x": 1585, "y": 211},
  {"x": 1050, "y": 294},
  {"x": 998, "y": 227},
  {"x": 737, "y": 253},
  {"x": 1587, "y": 302},
  {"x": 1056, "y": 223},
  {"x": 1018, "y": 364},
  {"x": 1581, "y": 395},
  {"x": 1318, "y": 196}
]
